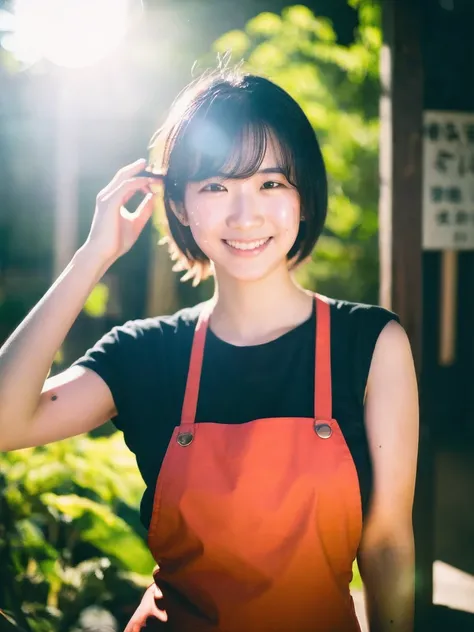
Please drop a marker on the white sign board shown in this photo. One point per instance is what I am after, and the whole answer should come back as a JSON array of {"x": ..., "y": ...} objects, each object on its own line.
[{"x": 448, "y": 180}]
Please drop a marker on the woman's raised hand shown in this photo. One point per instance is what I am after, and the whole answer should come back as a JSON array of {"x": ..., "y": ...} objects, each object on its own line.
[{"x": 114, "y": 230}]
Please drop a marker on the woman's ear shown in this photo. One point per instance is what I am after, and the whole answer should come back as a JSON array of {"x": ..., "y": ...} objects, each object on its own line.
[{"x": 179, "y": 212}]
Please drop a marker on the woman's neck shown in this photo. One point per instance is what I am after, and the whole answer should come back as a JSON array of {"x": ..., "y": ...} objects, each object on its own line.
[{"x": 250, "y": 313}]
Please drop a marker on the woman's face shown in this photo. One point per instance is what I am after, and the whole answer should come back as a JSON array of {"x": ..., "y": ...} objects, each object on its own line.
[{"x": 245, "y": 226}]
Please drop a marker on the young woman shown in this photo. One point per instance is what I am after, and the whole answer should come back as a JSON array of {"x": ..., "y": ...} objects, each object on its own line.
[{"x": 276, "y": 430}]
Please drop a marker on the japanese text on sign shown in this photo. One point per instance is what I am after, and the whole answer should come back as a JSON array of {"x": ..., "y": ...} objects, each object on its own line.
[{"x": 448, "y": 181}]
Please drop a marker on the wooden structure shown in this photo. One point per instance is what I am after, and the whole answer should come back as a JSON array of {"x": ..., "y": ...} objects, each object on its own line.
[{"x": 426, "y": 65}]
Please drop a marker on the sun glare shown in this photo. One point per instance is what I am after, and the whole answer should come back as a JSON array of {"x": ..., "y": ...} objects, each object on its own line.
[{"x": 69, "y": 33}]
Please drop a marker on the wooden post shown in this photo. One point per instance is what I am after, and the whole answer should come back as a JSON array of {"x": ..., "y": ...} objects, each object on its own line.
[
  {"x": 401, "y": 280},
  {"x": 401, "y": 168},
  {"x": 448, "y": 307}
]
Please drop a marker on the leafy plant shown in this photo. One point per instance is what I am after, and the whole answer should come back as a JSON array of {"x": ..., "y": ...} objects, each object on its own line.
[
  {"x": 338, "y": 88},
  {"x": 70, "y": 536}
]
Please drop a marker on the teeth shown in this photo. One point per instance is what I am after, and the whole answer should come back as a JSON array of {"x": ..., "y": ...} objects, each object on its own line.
[{"x": 249, "y": 245}]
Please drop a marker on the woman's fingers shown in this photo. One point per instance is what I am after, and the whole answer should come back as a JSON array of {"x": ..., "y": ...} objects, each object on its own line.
[
  {"x": 147, "y": 609},
  {"x": 125, "y": 173},
  {"x": 157, "y": 594},
  {"x": 113, "y": 232},
  {"x": 160, "y": 614},
  {"x": 143, "y": 213},
  {"x": 143, "y": 189},
  {"x": 121, "y": 194},
  {"x": 138, "y": 622},
  {"x": 158, "y": 177},
  {"x": 134, "y": 170}
]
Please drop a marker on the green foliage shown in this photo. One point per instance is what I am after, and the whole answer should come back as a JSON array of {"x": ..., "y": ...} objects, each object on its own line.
[
  {"x": 338, "y": 88},
  {"x": 70, "y": 535},
  {"x": 96, "y": 303}
]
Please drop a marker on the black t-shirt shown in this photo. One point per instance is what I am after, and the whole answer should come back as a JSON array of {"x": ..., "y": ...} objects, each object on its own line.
[{"x": 145, "y": 363}]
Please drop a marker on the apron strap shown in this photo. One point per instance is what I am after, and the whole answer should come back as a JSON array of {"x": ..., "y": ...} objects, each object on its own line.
[
  {"x": 322, "y": 371},
  {"x": 191, "y": 394}
]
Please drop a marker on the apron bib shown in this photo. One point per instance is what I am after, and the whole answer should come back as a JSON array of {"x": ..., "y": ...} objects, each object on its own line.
[{"x": 255, "y": 526}]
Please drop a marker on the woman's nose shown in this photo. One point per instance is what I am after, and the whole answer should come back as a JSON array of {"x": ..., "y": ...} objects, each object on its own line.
[{"x": 245, "y": 213}]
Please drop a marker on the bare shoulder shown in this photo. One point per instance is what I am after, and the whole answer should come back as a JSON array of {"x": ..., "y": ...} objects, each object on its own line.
[
  {"x": 392, "y": 359},
  {"x": 393, "y": 336}
]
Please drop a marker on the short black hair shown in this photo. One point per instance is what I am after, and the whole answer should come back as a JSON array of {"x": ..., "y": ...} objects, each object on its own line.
[{"x": 220, "y": 125}]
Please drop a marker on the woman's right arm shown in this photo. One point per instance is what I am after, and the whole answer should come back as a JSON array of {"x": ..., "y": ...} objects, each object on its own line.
[{"x": 35, "y": 410}]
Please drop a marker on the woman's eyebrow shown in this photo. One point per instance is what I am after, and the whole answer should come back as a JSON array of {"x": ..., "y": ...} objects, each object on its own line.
[
  {"x": 225, "y": 176},
  {"x": 272, "y": 170}
]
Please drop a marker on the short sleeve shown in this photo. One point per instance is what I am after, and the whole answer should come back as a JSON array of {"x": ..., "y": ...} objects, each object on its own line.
[
  {"x": 372, "y": 320},
  {"x": 114, "y": 358}
]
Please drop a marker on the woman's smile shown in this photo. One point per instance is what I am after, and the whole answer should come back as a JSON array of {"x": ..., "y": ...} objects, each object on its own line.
[{"x": 247, "y": 248}]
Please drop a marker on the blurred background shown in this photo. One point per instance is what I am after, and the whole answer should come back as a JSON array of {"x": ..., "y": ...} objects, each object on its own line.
[{"x": 83, "y": 87}]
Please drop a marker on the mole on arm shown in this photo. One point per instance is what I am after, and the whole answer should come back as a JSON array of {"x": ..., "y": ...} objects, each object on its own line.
[{"x": 54, "y": 398}]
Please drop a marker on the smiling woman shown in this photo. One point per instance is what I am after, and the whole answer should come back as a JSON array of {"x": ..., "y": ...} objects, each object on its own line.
[
  {"x": 227, "y": 133},
  {"x": 268, "y": 422}
]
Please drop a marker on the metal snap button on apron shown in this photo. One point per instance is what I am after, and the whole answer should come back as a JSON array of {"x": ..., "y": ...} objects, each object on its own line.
[
  {"x": 185, "y": 438},
  {"x": 323, "y": 430}
]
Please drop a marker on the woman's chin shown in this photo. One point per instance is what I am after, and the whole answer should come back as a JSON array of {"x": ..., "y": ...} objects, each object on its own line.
[{"x": 241, "y": 267}]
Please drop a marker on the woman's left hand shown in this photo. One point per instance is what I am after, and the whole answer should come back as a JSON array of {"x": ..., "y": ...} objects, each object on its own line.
[{"x": 147, "y": 609}]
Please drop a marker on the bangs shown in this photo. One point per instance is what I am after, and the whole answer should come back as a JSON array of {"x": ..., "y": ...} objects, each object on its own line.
[{"x": 225, "y": 138}]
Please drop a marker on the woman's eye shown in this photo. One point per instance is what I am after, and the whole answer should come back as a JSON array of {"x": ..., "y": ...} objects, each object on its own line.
[
  {"x": 213, "y": 187},
  {"x": 271, "y": 184}
]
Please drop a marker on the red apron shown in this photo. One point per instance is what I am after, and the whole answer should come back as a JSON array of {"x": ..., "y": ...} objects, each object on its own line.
[{"x": 255, "y": 526}]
